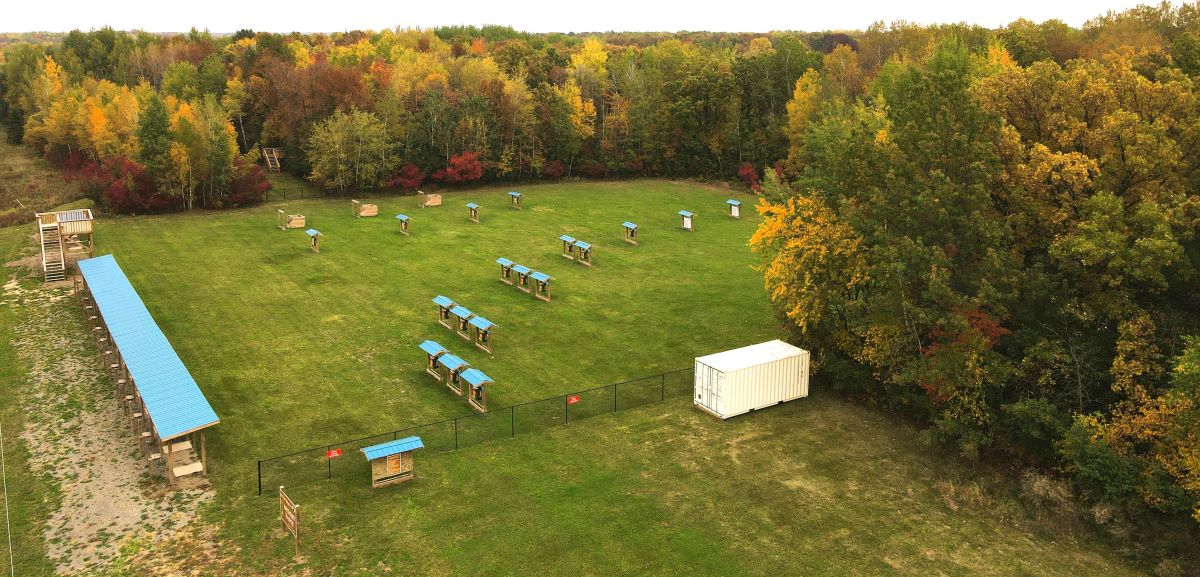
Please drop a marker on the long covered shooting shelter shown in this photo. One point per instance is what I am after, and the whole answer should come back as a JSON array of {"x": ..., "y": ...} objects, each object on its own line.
[
  {"x": 167, "y": 410},
  {"x": 392, "y": 462}
]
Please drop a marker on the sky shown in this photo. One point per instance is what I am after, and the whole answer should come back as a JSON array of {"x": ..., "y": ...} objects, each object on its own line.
[{"x": 531, "y": 16}]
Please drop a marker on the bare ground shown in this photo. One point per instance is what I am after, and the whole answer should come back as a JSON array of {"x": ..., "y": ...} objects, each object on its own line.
[{"x": 80, "y": 441}]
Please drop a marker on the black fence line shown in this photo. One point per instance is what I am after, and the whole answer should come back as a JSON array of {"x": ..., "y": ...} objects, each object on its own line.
[{"x": 511, "y": 409}]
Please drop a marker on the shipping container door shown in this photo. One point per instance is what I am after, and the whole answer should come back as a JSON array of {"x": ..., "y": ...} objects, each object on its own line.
[{"x": 718, "y": 391}]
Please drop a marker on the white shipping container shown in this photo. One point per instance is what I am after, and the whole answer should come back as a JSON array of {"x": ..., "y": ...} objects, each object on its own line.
[{"x": 750, "y": 378}]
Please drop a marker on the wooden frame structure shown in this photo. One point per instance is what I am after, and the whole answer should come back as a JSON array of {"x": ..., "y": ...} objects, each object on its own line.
[
  {"x": 452, "y": 368},
  {"x": 62, "y": 236},
  {"x": 462, "y": 321},
  {"x": 426, "y": 200},
  {"x": 542, "y": 289},
  {"x": 361, "y": 210},
  {"x": 583, "y": 253},
  {"x": 444, "y": 305},
  {"x": 568, "y": 247},
  {"x": 287, "y": 221},
  {"x": 735, "y": 208},
  {"x": 392, "y": 462},
  {"x": 689, "y": 221},
  {"x": 514, "y": 198},
  {"x": 523, "y": 273},
  {"x": 477, "y": 388},
  {"x": 433, "y": 350},
  {"x": 631, "y": 232},
  {"x": 271, "y": 156},
  {"x": 506, "y": 267},
  {"x": 403, "y": 220},
  {"x": 483, "y": 333},
  {"x": 473, "y": 214},
  {"x": 289, "y": 517},
  {"x": 314, "y": 239}
]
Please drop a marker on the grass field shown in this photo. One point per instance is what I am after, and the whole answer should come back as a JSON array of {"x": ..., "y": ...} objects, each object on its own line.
[{"x": 295, "y": 349}]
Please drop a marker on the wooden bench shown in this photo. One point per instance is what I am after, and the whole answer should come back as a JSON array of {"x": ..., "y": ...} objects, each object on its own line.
[{"x": 188, "y": 469}]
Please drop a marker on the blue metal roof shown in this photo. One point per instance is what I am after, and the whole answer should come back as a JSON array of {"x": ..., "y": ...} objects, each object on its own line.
[
  {"x": 734, "y": 202},
  {"x": 174, "y": 403},
  {"x": 566, "y": 238},
  {"x": 452, "y": 362},
  {"x": 482, "y": 323},
  {"x": 521, "y": 269},
  {"x": 685, "y": 213},
  {"x": 583, "y": 245},
  {"x": 476, "y": 378},
  {"x": 504, "y": 262},
  {"x": 514, "y": 193},
  {"x": 540, "y": 276},
  {"x": 461, "y": 311},
  {"x": 392, "y": 447},
  {"x": 443, "y": 301},
  {"x": 432, "y": 348},
  {"x": 472, "y": 205},
  {"x": 628, "y": 224},
  {"x": 312, "y": 232},
  {"x": 401, "y": 217}
]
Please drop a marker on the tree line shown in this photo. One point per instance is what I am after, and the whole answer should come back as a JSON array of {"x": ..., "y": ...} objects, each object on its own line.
[{"x": 1001, "y": 241}]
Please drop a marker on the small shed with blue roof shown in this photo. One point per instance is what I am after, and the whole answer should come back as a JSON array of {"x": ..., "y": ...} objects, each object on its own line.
[
  {"x": 403, "y": 220},
  {"x": 473, "y": 215},
  {"x": 583, "y": 252},
  {"x": 314, "y": 239},
  {"x": 568, "y": 247},
  {"x": 506, "y": 267},
  {"x": 452, "y": 368},
  {"x": 477, "y": 396},
  {"x": 542, "y": 280},
  {"x": 515, "y": 198},
  {"x": 523, "y": 273},
  {"x": 392, "y": 462},
  {"x": 462, "y": 320},
  {"x": 735, "y": 208},
  {"x": 444, "y": 305},
  {"x": 433, "y": 350},
  {"x": 631, "y": 232},
  {"x": 483, "y": 332},
  {"x": 689, "y": 218}
]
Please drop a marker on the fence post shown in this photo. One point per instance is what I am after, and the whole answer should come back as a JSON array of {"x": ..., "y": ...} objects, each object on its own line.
[
  {"x": 456, "y": 433},
  {"x": 329, "y": 462},
  {"x": 512, "y": 421},
  {"x": 566, "y": 413},
  {"x": 616, "y": 387},
  {"x": 260, "y": 477},
  {"x": 662, "y": 389}
]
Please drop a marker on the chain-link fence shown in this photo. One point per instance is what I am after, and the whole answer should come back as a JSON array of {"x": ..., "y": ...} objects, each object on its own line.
[{"x": 452, "y": 434}]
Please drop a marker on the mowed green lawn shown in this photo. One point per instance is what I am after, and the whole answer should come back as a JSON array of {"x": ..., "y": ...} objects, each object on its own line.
[{"x": 295, "y": 349}]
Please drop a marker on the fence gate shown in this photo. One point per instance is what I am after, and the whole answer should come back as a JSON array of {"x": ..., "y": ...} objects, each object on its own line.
[{"x": 289, "y": 516}]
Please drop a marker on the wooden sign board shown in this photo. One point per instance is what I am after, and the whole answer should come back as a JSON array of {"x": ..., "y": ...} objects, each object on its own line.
[{"x": 289, "y": 516}]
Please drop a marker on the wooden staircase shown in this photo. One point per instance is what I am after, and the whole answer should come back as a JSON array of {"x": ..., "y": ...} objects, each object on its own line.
[
  {"x": 271, "y": 156},
  {"x": 54, "y": 262}
]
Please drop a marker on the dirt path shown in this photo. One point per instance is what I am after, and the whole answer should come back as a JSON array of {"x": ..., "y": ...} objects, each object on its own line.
[{"x": 80, "y": 442}]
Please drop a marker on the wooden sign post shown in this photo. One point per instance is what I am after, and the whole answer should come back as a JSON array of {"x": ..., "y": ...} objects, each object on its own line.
[{"x": 289, "y": 516}]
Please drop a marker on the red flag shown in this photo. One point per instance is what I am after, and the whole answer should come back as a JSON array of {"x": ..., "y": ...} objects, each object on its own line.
[
  {"x": 333, "y": 453},
  {"x": 572, "y": 399}
]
